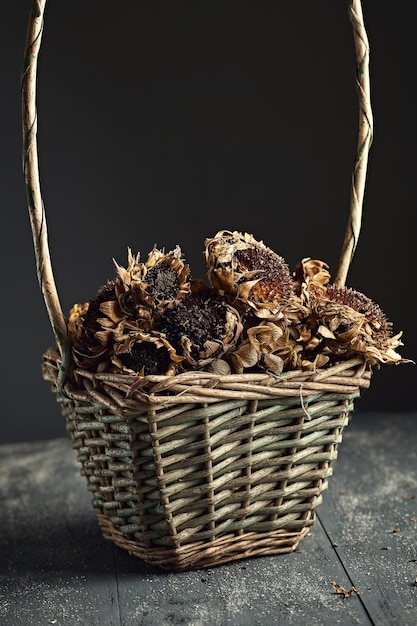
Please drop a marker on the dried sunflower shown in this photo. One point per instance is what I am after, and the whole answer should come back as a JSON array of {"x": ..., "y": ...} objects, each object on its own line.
[
  {"x": 248, "y": 272},
  {"x": 161, "y": 279},
  {"x": 84, "y": 327},
  {"x": 350, "y": 322},
  {"x": 126, "y": 302},
  {"x": 144, "y": 353},
  {"x": 201, "y": 327},
  {"x": 153, "y": 318}
]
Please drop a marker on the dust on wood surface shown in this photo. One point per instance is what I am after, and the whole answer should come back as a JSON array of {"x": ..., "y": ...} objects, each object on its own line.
[{"x": 57, "y": 569}]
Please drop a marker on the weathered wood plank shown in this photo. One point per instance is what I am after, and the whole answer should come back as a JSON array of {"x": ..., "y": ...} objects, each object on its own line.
[
  {"x": 288, "y": 589},
  {"x": 53, "y": 569},
  {"x": 56, "y": 568},
  {"x": 370, "y": 512}
]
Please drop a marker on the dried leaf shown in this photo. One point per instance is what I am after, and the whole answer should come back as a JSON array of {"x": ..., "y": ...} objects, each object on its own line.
[{"x": 346, "y": 593}]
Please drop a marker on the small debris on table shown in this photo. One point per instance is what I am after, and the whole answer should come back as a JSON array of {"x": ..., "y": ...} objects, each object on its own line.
[{"x": 346, "y": 593}]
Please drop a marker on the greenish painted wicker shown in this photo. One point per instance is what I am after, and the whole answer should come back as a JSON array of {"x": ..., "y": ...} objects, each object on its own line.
[{"x": 196, "y": 470}]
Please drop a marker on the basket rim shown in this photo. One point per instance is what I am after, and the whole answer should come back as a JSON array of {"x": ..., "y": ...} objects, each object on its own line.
[{"x": 128, "y": 393}]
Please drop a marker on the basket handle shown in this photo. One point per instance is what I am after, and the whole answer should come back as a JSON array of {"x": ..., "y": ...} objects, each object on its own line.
[
  {"x": 365, "y": 137},
  {"x": 31, "y": 173},
  {"x": 31, "y": 170}
]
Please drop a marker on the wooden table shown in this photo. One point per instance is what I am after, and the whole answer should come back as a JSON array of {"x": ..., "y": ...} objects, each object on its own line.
[{"x": 56, "y": 568}]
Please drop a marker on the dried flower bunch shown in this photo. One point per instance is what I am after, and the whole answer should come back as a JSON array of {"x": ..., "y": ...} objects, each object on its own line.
[{"x": 251, "y": 314}]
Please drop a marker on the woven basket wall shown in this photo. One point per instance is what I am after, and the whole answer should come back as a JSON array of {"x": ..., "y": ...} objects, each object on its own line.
[{"x": 196, "y": 469}]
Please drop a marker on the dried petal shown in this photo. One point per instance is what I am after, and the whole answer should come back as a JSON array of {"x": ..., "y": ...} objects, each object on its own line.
[
  {"x": 83, "y": 325},
  {"x": 219, "y": 367},
  {"x": 274, "y": 363},
  {"x": 310, "y": 272},
  {"x": 246, "y": 356}
]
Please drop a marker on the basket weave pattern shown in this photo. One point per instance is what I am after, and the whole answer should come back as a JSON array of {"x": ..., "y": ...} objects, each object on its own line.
[{"x": 194, "y": 470}]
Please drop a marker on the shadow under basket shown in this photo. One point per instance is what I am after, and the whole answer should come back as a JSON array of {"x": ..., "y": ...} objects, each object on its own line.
[{"x": 196, "y": 470}]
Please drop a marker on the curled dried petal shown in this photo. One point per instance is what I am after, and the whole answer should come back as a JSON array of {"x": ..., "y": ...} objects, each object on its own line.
[
  {"x": 245, "y": 357},
  {"x": 274, "y": 363},
  {"x": 144, "y": 354},
  {"x": 310, "y": 273}
]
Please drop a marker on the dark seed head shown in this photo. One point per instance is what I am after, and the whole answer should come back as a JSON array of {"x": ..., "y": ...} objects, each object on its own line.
[
  {"x": 197, "y": 318},
  {"x": 162, "y": 282},
  {"x": 146, "y": 358}
]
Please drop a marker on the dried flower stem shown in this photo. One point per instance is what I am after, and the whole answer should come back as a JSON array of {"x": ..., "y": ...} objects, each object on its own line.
[
  {"x": 365, "y": 136},
  {"x": 31, "y": 173}
]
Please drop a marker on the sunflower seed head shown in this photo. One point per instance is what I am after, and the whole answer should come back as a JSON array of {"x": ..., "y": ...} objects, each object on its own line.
[{"x": 201, "y": 327}]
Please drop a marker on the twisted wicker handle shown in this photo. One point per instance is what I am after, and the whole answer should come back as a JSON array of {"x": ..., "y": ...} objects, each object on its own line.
[
  {"x": 365, "y": 136},
  {"x": 31, "y": 170},
  {"x": 31, "y": 174}
]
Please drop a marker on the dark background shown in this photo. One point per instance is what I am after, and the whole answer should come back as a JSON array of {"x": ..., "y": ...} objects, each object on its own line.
[{"x": 164, "y": 122}]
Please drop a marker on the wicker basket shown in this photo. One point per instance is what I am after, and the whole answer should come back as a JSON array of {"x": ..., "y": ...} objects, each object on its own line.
[{"x": 195, "y": 470}]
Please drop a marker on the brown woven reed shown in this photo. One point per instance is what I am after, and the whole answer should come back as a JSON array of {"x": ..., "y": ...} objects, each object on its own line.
[{"x": 195, "y": 470}]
